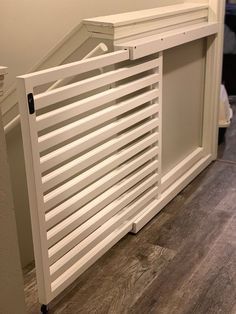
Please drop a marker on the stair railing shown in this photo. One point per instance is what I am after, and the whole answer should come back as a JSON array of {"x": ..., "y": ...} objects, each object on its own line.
[{"x": 98, "y": 50}]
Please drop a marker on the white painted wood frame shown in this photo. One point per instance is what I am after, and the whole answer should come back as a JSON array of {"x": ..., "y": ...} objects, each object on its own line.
[
  {"x": 94, "y": 165},
  {"x": 87, "y": 177},
  {"x": 155, "y": 30}
]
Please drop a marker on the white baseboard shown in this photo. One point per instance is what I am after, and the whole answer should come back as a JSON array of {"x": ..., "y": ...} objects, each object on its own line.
[{"x": 146, "y": 215}]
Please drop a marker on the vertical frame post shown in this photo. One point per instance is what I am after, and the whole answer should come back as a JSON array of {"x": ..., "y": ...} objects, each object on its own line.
[
  {"x": 29, "y": 134},
  {"x": 213, "y": 79},
  {"x": 160, "y": 122}
]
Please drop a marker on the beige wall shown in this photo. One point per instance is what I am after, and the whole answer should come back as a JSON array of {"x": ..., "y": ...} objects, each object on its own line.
[
  {"x": 11, "y": 283},
  {"x": 19, "y": 187}
]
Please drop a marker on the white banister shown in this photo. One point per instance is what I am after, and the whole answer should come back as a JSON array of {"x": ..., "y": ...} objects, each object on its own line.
[
  {"x": 98, "y": 50},
  {"x": 139, "y": 24},
  {"x": 58, "y": 55},
  {"x": 12, "y": 124}
]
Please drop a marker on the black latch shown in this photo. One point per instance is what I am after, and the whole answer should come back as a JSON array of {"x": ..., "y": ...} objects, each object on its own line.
[{"x": 31, "y": 103}]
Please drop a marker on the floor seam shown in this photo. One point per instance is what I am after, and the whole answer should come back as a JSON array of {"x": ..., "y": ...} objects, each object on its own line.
[{"x": 227, "y": 161}]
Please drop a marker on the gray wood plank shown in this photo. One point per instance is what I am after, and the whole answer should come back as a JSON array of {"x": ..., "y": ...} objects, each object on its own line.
[
  {"x": 197, "y": 232},
  {"x": 177, "y": 264}
]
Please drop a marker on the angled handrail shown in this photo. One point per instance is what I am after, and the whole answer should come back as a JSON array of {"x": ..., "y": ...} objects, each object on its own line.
[
  {"x": 56, "y": 56},
  {"x": 98, "y": 50}
]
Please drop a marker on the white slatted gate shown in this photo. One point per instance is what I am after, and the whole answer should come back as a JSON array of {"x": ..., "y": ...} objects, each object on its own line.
[{"x": 92, "y": 152}]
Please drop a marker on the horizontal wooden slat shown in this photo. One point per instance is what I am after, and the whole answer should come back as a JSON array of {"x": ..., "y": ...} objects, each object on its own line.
[
  {"x": 78, "y": 218},
  {"x": 75, "y": 68},
  {"x": 83, "y": 231},
  {"x": 90, "y": 209},
  {"x": 76, "y": 128},
  {"x": 59, "y": 115},
  {"x": 60, "y": 155},
  {"x": 80, "y": 199},
  {"x": 81, "y": 181},
  {"x": 87, "y": 160},
  {"x": 59, "y": 94},
  {"x": 79, "y": 264}
]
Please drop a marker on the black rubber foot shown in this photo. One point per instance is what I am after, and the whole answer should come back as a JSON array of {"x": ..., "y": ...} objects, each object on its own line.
[{"x": 44, "y": 309}]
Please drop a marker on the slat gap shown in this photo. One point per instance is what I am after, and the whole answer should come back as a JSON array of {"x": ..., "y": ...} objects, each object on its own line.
[
  {"x": 66, "y": 112},
  {"x": 59, "y": 94},
  {"x": 90, "y": 122},
  {"x": 83, "y": 231},
  {"x": 80, "y": 199},
  {"x": 63, "y": 266},
  {"x": 78, "y": 218},
  {"x": 60, "y": 155},
  {"x": 87, "y": 160},
  {"x": 81, "y": 181}
]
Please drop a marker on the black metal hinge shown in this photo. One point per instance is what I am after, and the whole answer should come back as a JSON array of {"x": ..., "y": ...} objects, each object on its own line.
[{"x": 31, "y": 103}]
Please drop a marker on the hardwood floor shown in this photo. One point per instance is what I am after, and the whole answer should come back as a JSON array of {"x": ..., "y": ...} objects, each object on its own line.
[{"x": 182, "y": 262}]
